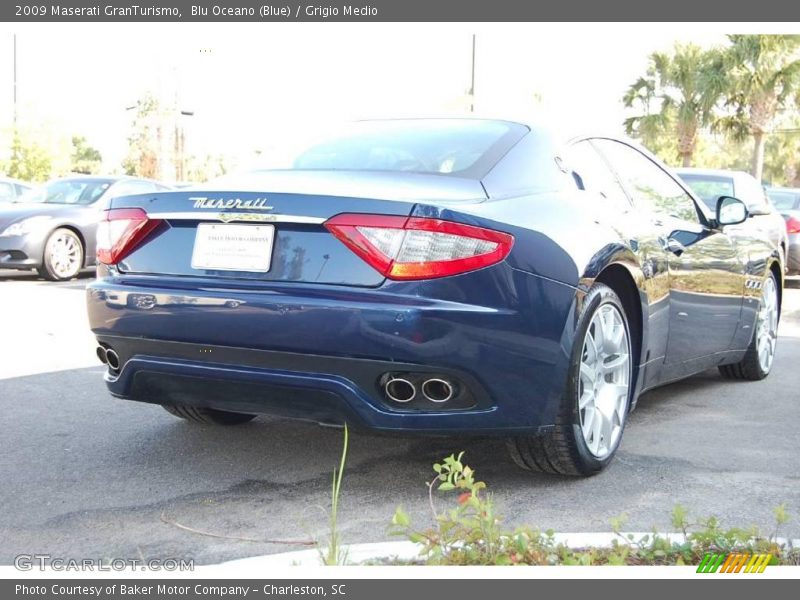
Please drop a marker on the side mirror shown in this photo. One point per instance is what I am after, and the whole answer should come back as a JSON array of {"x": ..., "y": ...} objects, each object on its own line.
[{"x": 731, "y": 211}]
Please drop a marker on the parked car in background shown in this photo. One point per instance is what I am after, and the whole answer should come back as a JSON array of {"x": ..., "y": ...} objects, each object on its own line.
[
  {"x": 784, "y": 198},
  {"x": 793, "y": 232},
  {"x": 11, "y": 189},
  {"x": 53, "y": 227},
  {"x": 435, "y": 275},
  {"x": 710, "y": 184},
  {"x": 787, "y": 201}
]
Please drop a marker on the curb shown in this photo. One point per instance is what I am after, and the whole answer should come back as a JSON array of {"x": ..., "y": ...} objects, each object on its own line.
[{"x": 358, "y": 553}]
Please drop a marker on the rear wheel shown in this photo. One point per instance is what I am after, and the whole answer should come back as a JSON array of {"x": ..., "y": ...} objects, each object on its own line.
[
  {"x": 208, "y": 416},
  {"x": 63, "y": 256},
  {"x": 757, "y": 362},
  {"x": 595, "y": 403}
]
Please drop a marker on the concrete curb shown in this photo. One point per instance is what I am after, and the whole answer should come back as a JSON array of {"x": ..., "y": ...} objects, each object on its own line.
[{"x": 359, "y": 553}]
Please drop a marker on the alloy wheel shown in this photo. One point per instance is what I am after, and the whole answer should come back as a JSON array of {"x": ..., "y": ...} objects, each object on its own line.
[
  {"x": 604, "y": 381},
  {"x": 64, "y": 255},
  {"x": 767, "y": 325}
]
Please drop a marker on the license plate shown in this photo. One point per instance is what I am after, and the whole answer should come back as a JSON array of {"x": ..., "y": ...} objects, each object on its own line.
[{"x": 228, "y": 247}]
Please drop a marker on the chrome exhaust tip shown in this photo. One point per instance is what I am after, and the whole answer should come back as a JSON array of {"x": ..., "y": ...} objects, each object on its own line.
[
  {"x": 101, "y": 355},
  {"x": 437, "y": 390},
  {"x": 400, "y": 390},
  {"x": 112, "y": 359}
]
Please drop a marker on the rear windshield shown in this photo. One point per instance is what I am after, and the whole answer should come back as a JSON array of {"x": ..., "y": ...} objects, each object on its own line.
[
  {"x": 68, "y": 191},
  {"x": 709, "y": 187},
  {"x": 457, "y": 147}
]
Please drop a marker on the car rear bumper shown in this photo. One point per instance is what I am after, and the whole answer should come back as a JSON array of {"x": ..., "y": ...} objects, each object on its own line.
[
  {"x": 323, "y": 389},
  {"x": 324, "y": 353}
]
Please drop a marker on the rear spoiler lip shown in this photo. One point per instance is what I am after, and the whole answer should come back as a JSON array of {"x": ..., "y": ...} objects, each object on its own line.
[{"x": 399, "y": 186}]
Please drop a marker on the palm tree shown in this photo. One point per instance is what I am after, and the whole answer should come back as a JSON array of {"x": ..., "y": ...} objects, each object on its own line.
[
  {"x": 782, "y": 158},
  {"x": 761, "y": 79},
  {"x": 677, "y": 97}
]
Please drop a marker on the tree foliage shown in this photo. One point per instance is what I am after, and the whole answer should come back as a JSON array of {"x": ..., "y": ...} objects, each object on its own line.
[
  {"x": 762, "y": 77},
  {"x": 28, "y": 160},
  {"x": 202, "y": 168},
  {"x": 677, "y": 95},
  {"x": 85, "y": 159},
  {"x": 783, "y": 159},
  {"x": 743, "y": 91},
  {"x": 143, "y": 142}
]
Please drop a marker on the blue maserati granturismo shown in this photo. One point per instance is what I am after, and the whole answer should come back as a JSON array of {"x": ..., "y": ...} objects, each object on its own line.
[{"x": 435, "y": 275}]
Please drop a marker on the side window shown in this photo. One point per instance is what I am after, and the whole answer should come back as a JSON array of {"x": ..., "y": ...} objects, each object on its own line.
[
  {"x": 6, "y": 191},
  {"x": 92, "y": 193},
  {"x": 653, "y": 190},
  {"x": 592, "y": 174}
]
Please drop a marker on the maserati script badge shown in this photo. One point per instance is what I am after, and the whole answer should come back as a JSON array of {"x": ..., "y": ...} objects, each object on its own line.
[{"x": 228, "y": 203}]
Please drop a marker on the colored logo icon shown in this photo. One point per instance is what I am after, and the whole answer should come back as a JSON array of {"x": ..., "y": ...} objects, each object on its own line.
[{"x": 734, "y": 562}]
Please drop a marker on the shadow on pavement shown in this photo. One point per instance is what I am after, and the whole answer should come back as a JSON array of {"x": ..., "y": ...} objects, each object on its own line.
[{"x": 7, "y": 275}]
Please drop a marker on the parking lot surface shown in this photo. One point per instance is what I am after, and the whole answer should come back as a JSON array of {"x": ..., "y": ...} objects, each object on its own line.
[{"x": 85, "y": 475}]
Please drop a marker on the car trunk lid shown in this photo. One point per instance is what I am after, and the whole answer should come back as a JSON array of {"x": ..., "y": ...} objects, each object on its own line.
[{"x": 277, "y": 235}]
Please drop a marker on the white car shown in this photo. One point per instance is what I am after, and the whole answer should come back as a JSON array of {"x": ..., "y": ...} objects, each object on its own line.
[{"x": 710, "y": 184}]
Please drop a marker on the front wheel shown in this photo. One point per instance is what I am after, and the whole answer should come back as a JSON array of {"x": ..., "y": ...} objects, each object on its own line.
[
  {"x": 757, "y": 361},
  {"x": 594, "y": 406},
  {"x": 207, "y": 416},
  {"x": 63, "y": 256}
]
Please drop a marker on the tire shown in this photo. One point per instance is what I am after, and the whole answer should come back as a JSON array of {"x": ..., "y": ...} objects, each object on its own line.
[
  {"x": 565, "y": 449},
  {"x": 207, "y": 416},
  {"x": 757, "y": 361},
  {"x": 63, "y": 256}
]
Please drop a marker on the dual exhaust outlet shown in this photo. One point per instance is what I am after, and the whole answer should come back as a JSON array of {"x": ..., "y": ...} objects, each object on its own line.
[
  {"x": 109, "y": 357},
  {"x": 434, "y": 389}
]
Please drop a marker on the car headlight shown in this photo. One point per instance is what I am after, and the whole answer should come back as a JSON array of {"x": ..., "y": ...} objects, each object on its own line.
[{"x": 23, "y": 227}]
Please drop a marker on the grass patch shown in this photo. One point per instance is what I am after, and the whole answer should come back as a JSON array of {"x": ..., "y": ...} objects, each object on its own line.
[{"x": 469, "y": 532}]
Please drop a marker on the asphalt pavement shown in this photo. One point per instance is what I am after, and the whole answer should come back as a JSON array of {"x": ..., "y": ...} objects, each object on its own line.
[{"x": 85, "y": 475}]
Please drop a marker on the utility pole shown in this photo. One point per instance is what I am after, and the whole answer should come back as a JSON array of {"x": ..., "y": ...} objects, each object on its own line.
[
  {"x": 180, "y": 143},
  {"x": 14, "y": 117},
  {"x": 15, "y": 83},
  {"x": 472, "y": 81}
]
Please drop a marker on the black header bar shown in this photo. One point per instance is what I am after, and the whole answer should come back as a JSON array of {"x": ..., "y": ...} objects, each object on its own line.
[{"x": 781, "y": 11}]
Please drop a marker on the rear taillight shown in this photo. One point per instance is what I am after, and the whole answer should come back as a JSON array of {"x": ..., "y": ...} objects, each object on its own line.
[
  {"x": 792, "y": 225},
  {"x": 120, "y": 231},
  {"x": 419, "y": 248}
]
